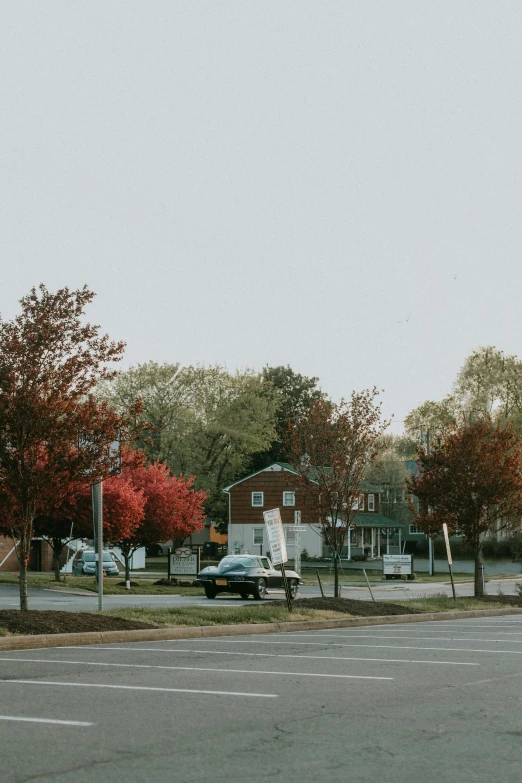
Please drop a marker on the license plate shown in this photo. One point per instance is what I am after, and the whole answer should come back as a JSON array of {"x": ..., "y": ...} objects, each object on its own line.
[{"x": 221, "y": 581}]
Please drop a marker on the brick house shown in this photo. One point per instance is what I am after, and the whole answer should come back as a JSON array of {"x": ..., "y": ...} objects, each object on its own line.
[
  {"x": 41, "y": 558},
  {"x": 374, "y": 534}
]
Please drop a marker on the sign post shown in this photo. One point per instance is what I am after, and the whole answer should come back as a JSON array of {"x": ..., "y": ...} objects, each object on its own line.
[
  {"x": 276, "y": 541},
  {"x": 97, "y": 524},
  {"x": 450, "y": 559}
]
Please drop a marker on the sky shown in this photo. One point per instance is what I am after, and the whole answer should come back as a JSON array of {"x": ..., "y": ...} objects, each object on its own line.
[{"x": 334, "y": 186}]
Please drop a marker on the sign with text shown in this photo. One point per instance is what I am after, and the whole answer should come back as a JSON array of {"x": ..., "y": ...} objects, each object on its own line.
[
  {"x": 184, "y": 562},
  {"x": 397, "y": 564},
  {"x": 447, "y": 542},
  {"x": 276, "y": 536}
]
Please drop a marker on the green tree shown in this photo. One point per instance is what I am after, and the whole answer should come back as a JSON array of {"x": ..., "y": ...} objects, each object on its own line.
[
  {"x": 294, "y": 395},
  {"x": 429, "y": 419},
  {"x": 490, "y": 384},
  {"x": 389, "y": 472},
  {"x": 207, "y": 422}
]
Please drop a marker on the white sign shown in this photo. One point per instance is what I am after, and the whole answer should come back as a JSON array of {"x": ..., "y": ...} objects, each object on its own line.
[
  {"x": 184, "y": 565},
  {"x": 276, "y": 536},
  {"x": 446, "y": 539},
  {"x": 397, "y": 564}
]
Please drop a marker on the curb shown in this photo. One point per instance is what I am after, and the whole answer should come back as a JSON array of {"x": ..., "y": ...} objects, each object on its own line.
[{"x": 209, "y": 631}]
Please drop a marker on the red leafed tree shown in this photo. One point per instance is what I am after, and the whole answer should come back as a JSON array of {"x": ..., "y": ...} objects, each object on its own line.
[
  {"x": 50, "y": 362},
  {"x": 172, "y": 507},
  {"x": 123, "y": 512},
  {"x": 330, "y": 449},
  {"x": 472, "y": 480}
]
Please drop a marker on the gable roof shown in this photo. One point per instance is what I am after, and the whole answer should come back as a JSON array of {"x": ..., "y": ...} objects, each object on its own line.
[
  {"x": 275, "y": 467},
  {"x": 278, "y": 467}
]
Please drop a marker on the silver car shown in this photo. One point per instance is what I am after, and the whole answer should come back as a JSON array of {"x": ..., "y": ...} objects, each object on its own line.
[{"x": 84, "y": 564}]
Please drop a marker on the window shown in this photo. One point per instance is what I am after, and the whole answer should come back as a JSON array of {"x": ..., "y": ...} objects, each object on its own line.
[
  {"x": 258, "y": 536},
  {"x": 290, "y": 535},
  {"x": 257, "y": 499},
  {"x": 288, "y": 498},
  {"x": 415, "y": 531},
  {"x": 361, "y": 503},
  {"x": 371, "y": 502}
]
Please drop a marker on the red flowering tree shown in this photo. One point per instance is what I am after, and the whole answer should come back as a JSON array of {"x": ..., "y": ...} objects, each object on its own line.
[
  {"x": 50, "y": 362},
  {"x": 472, "y": 480},
  {"x": 173, "y": 509}
]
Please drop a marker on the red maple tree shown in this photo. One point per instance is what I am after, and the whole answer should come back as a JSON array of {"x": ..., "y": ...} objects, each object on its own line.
[
  {"x": 173, "y": 509},
  {"x": 53, "y": 432},
  {"x": 330, "y": 449},
  {"x": 472, "y": 480}
]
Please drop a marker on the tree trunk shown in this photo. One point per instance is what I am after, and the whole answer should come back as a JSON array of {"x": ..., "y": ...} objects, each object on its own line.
[
  {"x": 127, "y": 557},
  {"x": 24, "y": 553},
  {"x": 57, "y": 547},
  {"x": 479, "y": 587}
]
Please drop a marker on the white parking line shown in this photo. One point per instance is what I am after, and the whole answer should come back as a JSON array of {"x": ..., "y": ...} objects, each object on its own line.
[
  {"x": 370, "y": 646},
  {"x": 267, "y": 655},
  {"x": 413, "y": 638},
  {"x": 46, "y": 720},
  {"x": 136, "y": 688},
  {"x": 195, "y": 669},
  {"x": 407, "y": 630}
]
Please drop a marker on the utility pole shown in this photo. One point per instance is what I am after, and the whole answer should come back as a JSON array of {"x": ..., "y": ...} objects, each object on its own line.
[
  {"x": 431, "y": 548},
  {"x": 97, "y": 523}
]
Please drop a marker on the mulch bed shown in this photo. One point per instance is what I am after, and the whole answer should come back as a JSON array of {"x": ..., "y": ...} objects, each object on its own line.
[
  {"x": 34, "y": 621},
  {"x": 351, "y": 606}
]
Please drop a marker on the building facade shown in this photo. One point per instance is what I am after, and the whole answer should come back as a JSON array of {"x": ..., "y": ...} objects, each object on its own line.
[{"x": 373, "y": 533}]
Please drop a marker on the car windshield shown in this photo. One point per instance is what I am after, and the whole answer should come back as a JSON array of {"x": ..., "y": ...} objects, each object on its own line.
[
  {"x": 237, "y": 562},
  {"x": 88, "y": 557}
]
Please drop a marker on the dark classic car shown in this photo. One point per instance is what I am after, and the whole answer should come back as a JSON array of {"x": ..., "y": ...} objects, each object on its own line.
[{"x": 246, "y": 575}]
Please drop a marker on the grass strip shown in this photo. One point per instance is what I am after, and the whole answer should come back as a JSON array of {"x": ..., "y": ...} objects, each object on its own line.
[
  {"x": 443, "y": 603},
  {"x": 201, "y": 615}
]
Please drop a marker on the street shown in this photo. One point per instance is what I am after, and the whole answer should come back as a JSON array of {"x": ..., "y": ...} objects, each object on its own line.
[
  {"x": 433, "y": 701},
  {"x": 387, "y": 591}
]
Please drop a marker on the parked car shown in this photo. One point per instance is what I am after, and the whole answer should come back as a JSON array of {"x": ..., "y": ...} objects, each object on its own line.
[
  {"x": 84, "y": 563},
  {"x": 246, "y": 575}
]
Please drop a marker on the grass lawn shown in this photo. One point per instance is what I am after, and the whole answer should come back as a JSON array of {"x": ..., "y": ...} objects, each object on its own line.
[
  {"x": 443, "y": 603},
  {"x": 201, "y": 615},
  {"x": 110, "y": 585}
]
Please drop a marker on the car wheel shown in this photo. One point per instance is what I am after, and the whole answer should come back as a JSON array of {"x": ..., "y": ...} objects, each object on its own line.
[
  {"x": 292, "y": 587},
  {"x": 260, "y": 590},
  {"x": 210, "y": 592}
]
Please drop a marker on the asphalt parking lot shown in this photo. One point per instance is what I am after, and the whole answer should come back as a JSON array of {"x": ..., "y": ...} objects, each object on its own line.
[{"x": 431, "y": 702}]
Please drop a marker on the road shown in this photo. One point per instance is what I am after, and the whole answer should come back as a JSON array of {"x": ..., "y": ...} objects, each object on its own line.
[
  {"x": 393, "y": 591},
  {"x": 437, "y": 702}
]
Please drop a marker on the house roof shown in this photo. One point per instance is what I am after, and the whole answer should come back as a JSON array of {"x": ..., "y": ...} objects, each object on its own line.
[
  {"x": 375, "y": 520},
  {"x": 277, "y": 467}
]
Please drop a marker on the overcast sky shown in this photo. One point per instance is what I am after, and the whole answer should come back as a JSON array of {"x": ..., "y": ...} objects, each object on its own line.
[{"x": 330, "y": 185}]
